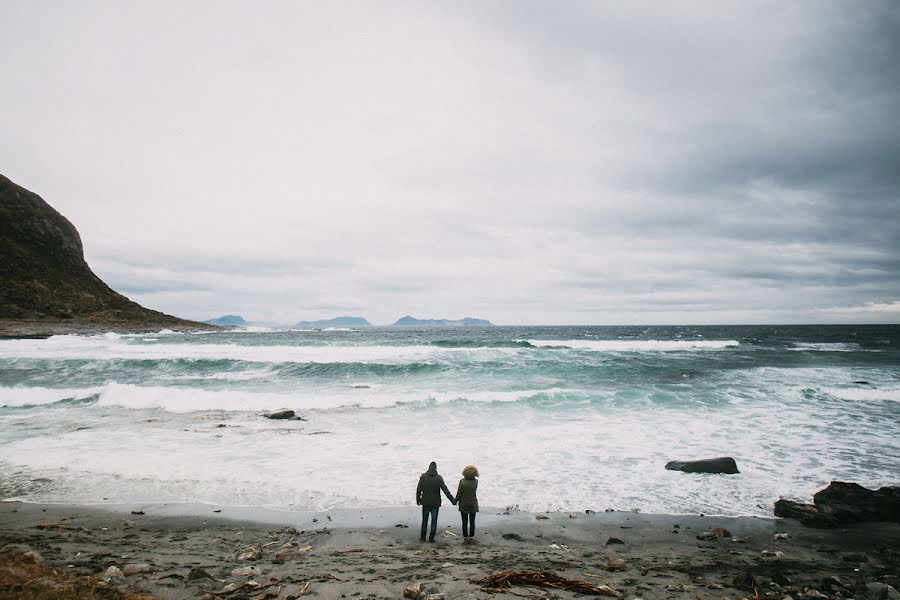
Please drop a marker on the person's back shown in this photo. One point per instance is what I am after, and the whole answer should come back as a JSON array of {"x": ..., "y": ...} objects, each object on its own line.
[
  {"x": 429, "y": 490},
  {"x": 428, "y": 495},
  {"x": 467, "y": 499}
]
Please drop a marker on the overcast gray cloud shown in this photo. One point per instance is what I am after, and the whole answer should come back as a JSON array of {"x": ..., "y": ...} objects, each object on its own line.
[{"x": 526, "y": 162}]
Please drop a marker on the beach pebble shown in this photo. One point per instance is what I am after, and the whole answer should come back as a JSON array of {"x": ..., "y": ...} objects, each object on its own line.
[
  {"x": 772, "y": 554},
  {"x": 198, "y": 573},
  {"x": 434, "y": 597},
  {"x": 135, "y": 568},
  {"x": 881, "y": 591},
  {"x": 541, "y": 517},
  {"x": 251, "y": 552},
  {"x": 614, "y": 563},
  {"x": 714, "y": 534},
  {"x": 113, "y": 575},
  {"x": 279, "y": 558},
  {"x": 413, "y": 591},
  {"x": 614, "y": 540}
]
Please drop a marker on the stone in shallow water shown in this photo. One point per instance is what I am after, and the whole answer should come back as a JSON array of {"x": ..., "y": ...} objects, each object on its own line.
[
  {"x": 722, "y": 464},
  {"x": 280, "y": 414}
]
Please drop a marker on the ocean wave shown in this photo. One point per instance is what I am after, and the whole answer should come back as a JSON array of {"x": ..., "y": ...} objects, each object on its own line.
[
  {"x": 864, "y": 394},
  {"x": 826, "y": 347},
  {"x": 635, "y": 345},
  {"x": 71, "y": 347},
  {"x": 184, "y": 400},
  {"x": 482, "y": 344},
  {"x": 16, "y": 397}
]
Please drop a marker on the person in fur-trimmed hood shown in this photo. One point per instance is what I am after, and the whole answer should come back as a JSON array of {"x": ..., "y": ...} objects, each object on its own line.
[
  {"x": 467, "y": 500},
  {"x": 428, "y": 494}
]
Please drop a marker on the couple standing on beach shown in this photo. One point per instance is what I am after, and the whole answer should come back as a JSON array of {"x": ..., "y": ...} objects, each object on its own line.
[{"x": 428, "y": 495}]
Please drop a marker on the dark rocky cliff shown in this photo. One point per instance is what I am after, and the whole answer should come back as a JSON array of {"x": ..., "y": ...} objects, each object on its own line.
[{"x": 45, "y": 284}]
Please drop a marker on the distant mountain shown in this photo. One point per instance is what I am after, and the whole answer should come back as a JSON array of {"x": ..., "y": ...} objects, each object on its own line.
[
  {"x": 228, "y": 321},
  {"x": 46, "y": 287},
  {"x": 336, "y": 322},
  {"x": 408, "y": 321}
]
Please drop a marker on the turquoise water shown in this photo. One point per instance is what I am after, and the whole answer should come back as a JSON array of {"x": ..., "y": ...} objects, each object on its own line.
[{"x": 555, "y": 417}]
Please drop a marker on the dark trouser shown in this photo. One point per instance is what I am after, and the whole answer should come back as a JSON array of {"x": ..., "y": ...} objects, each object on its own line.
[
  {"x": 468, "y": 520},
  {"x": 433, "y": 511}
]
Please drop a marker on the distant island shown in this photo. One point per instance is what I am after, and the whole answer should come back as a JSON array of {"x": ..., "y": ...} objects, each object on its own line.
[
  {"x": 408, "y": 321},
  {"x": 228, "y": 321},
  {"x": 335, "y": 322}
]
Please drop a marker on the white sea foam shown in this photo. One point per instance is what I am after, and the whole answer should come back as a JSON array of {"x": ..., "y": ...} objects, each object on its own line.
[
  {"x": 185, "y": 400},
  {"x": 102, "y": 348},
  {"x": 595, "y": 439},
  {"x": 827, "y": 347},
  {"x": 865, "y": 394},
  {"x": 636, "y": 345},
  {"x": 538, "y": 459},
  {"x": 36, "y": 396}
]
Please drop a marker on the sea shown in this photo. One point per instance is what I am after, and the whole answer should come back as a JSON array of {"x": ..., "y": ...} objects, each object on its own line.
[{"x": 555, "y": 418}]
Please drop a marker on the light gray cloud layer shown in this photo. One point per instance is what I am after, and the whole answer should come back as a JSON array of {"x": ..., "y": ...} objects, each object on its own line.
[{"x": 526, "y": 162}]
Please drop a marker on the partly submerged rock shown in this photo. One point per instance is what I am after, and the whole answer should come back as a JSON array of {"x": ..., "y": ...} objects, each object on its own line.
[
  {"x": 841, "y": 503},
  {"x": 280, "y": 414},
  {"x": 722, "y": 464}
]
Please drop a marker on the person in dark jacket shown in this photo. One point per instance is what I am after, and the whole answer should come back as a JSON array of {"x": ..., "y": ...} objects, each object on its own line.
[
  {"x": 468, "y": 501},
  {"x": 428, "y": 495}
]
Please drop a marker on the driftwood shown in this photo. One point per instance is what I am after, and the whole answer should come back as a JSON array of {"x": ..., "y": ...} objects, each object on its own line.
[{"x": 504, "y": 580}]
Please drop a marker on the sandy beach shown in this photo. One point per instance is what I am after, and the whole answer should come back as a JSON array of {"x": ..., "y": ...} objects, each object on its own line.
[{"x": 195, "y": 551}]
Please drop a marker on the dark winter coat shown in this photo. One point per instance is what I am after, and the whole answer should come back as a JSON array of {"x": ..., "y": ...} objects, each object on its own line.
[
  {"x": 465, "y": 494},
  {"x": 428, "y": 492}
]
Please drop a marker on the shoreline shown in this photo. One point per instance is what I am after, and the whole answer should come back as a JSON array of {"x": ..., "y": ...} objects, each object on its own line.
[
  {"x": 376, "y": 553},
  {"x": 12, "y": 329}
]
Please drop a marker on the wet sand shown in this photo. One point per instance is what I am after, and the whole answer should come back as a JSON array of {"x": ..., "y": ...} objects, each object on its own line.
[{"x": 376, "y": 553}]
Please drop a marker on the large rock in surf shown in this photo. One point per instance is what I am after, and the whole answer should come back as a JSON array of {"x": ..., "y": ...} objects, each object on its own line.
[
  {"x": 841, "y": 503},
  {"x": 280, "y": 414},
  {"x": 723, "y": 464},
  {"x": 47, "y": 287}
]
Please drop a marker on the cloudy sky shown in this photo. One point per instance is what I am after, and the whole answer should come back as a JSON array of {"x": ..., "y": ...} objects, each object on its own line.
[{"x": 525, "y": 162}]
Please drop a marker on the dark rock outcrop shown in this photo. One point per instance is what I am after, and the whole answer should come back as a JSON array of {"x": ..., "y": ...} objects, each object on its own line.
[
  {"x": 841, "y": 503},
  {"x": 280, "y": 414},
  {"x": 45, "y": 284},
  {"x": 722, "y": 464}
]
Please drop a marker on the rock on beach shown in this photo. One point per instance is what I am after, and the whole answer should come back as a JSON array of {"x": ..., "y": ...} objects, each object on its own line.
[{"x": 841, "y": 503}]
